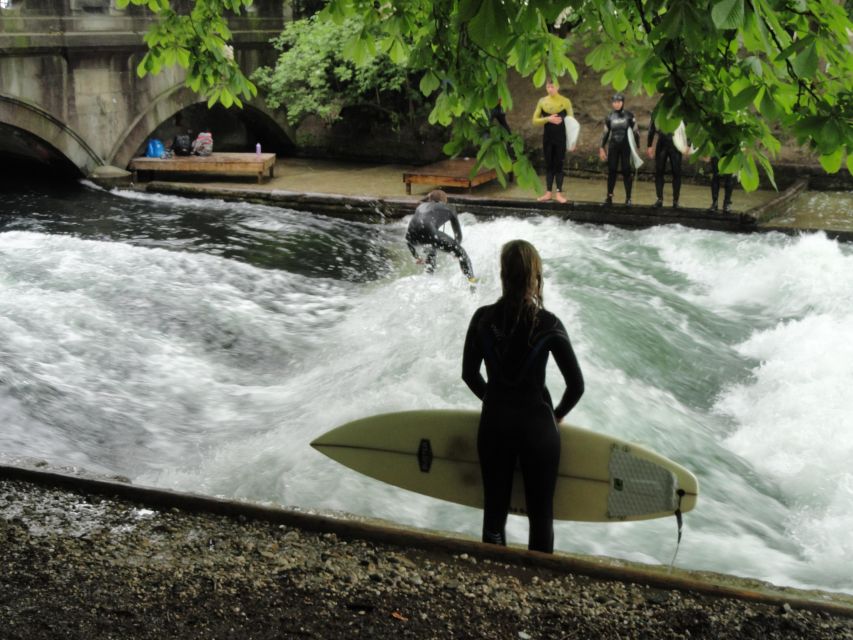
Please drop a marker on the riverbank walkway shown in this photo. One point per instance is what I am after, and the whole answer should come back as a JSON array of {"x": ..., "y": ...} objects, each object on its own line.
[{"x": 329, "y": 185}]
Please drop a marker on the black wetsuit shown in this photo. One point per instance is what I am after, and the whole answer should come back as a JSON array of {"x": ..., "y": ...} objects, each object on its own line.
[
  {"x": 618, "y": 125},
  {"x": 554, "y": 149},
  {"x": 728, "y": 185},
  {"x": 499, "y": 115},
  {"x": 424, "y": 230},
  {"x": 665, "y": 150},
  {"x": 518, "y": 421}
]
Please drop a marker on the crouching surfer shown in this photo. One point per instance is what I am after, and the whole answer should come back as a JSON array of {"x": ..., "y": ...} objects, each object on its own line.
[
  {"x": 515, "y": 336},
  {"x": 424, "y": 231}
]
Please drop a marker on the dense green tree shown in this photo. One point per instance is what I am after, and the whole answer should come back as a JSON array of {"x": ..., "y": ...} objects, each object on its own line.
[
  {"x": 738, "y": 72},
  {"x": 315, "y": 76}
]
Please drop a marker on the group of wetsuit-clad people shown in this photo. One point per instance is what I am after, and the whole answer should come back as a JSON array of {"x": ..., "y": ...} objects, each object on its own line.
[{"x": 615, "y": 150}]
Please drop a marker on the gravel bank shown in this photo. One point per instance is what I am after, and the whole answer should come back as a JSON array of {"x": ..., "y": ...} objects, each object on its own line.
[{"x": 78, "y": 565}]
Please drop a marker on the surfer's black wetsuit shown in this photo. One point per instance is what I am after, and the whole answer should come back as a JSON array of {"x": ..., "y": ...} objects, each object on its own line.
[
  {"x": 728, "y": 186},
  {"x": 618, "y": 125},
  {"x": 424, "y": 230},
  {"x": 664, "y": 151},
  {"x": 518, "y": 421}
]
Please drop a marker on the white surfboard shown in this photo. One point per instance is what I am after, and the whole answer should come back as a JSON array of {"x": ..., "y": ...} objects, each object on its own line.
[
  {"x": 573, "y": 131},
  {"x": 636, "y": 158},
  {"x": 601, "y": 478},
  {"x": 679, "y": 138}
]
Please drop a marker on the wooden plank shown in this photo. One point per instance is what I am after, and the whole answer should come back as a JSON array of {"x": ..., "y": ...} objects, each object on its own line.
[
  {"x": 455, "y": 172},
  {"x": 221, "y": 163}
]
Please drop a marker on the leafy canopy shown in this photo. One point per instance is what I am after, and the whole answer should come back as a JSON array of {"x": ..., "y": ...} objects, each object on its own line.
[
  {"x": 315, "y": 74},
  {"x": 738, "y": 72},
  {"x": 198, "y": 42}
]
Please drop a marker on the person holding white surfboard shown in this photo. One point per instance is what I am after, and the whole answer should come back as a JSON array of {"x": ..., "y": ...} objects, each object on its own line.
[
  {"x": 550, "y": 113},
  {"x": 618, "y": 147},
  {"x": 518, "y": 422},
  {"x": 666, "y": 149}
]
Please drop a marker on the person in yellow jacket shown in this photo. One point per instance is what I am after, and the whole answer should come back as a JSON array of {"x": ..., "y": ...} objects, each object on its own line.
[{"x": 550, "y": 112}]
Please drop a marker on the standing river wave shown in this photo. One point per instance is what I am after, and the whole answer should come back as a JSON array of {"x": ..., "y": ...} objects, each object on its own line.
[{"x": 201, "y": 345}]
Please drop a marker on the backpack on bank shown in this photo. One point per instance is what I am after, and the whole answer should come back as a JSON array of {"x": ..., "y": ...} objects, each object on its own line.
[
  {"x": 183, "y": 145},
  {"x": 203, "y": 144},
  {"x": 155, "y": 149}
]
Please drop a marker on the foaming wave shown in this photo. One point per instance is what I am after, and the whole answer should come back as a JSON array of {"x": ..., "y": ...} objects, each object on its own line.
[
  {"x": 793, "y": 424},
  {"x": 148, "y": 357}
]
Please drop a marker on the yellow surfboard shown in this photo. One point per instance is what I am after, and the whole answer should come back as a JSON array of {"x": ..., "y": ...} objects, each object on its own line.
[{"x": 601, "y": 479}]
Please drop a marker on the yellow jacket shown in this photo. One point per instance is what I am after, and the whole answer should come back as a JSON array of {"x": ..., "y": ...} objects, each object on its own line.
[{"x": 549, "y": 105}]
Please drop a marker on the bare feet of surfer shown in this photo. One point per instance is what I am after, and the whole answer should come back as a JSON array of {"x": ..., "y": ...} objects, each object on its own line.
[
  {"x": 560, "y": 198},
  {"x": 544, "y": 198}
]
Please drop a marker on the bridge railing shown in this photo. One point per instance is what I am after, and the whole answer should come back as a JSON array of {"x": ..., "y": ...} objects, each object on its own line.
[{"x": 33, "y": 25}]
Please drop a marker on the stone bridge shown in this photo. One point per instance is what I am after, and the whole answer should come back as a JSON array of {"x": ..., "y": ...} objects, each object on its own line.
[{"x": 69, "y": 92}]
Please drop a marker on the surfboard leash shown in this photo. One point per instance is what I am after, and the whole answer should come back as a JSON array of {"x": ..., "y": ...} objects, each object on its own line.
[{"x": 680, "y": 522}]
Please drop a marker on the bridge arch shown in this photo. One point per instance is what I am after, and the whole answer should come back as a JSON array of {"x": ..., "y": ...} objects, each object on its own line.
[
  {"x": 175, "y": 100},
  {"x": 39, "y": 123}
]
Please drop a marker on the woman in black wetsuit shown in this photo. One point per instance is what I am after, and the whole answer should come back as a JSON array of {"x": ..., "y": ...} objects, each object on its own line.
[{"x": 518, "y": 422}]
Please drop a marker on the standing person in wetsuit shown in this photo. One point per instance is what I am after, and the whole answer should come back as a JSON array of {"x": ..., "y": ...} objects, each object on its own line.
[
  {"x": 615, "y": 148},
  {"x": 665, "y": 150},
  {"x": 518, "y": 422},
  {"x": 424, "y": 227},
  {"x": 550, "y": 112},
  {"x": 728, "y": 186}
]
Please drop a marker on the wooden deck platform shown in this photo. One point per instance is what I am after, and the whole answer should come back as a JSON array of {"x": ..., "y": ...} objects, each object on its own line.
[
  {"x": 449, "y": 173},
  {"x": 253, "y": 164}
]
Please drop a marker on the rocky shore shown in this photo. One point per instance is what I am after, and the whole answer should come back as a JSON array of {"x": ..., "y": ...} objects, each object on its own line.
[{"x": 82, "y": 565}]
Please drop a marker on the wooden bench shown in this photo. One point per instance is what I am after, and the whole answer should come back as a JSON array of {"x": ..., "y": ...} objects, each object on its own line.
[
  {"x": 449, "y": 173},
  {"x": 254, "y": 164}
]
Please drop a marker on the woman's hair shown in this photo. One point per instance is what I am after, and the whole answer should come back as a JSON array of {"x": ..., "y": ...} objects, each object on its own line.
[{"x": 521, "y": 280}]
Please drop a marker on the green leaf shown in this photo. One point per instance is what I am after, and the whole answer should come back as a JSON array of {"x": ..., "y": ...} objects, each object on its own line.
[
  {"x": 429, "y": 83},
  {"x": 749, "y": 175},
  {"x": 539, "y": 76},
  {"x": 744, "y": 98},
  {"x": 467, "y": 10},
  {"x": 831, "y": 163},
  {"x": 850, "y": 164},
  {"x": 489, "y": 25},
  {"x": 805, "y": 64},
  {"x": 728, "y": 14}
]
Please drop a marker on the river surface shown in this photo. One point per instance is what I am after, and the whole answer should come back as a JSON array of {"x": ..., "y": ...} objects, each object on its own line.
[{"x": 201, "y": 345}]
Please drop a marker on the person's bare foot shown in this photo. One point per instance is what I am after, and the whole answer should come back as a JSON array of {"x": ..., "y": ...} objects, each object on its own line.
[
  {"x": 560, "y": 198},
  {"x": 544, "y": 198}
]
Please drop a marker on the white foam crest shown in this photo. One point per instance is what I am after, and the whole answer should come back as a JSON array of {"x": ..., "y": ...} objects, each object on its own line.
[
  {"x": 784, "y": 277},
  {"x": 793, "y": 424}
]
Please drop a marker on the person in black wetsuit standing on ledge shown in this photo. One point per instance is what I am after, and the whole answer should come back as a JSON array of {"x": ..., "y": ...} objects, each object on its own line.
[
  {"x": 664, "y": 150},
  {"x": 615, "y": 149},
  {"x": 549, "y": 114},
  {"x": 424, "y": 230},
  {"x": 514, "y": 336}
]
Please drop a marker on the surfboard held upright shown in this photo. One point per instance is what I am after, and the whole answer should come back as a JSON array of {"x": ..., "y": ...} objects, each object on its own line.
[{"x": 601, "y": 478}]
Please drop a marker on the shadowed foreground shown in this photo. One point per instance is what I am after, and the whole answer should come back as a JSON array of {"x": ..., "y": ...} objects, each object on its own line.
[{"x": 82, "y": 566}]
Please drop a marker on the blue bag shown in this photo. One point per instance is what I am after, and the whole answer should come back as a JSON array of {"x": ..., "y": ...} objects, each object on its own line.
[{"x": 155, "y": 149}]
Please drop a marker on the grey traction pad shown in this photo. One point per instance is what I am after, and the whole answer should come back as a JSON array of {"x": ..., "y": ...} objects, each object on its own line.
[{"x": 638, "y": 486}]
